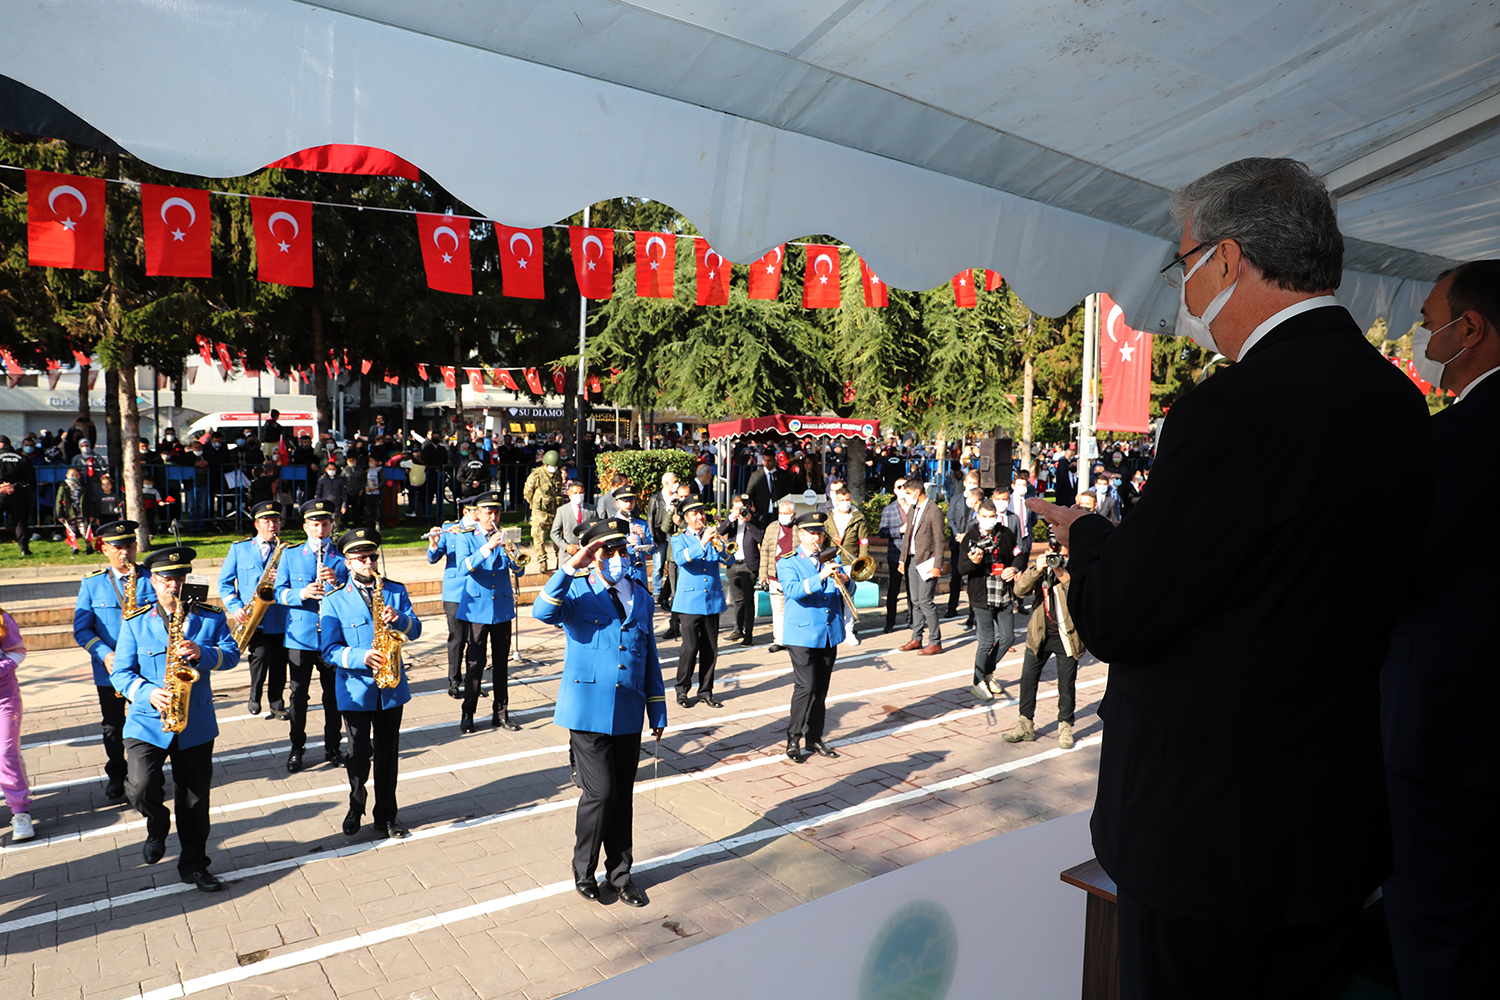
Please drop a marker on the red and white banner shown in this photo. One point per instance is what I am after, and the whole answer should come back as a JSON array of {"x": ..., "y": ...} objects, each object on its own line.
[
  {"x": 521, "y": 262},
  {"x": 963, "y": 290},
  {"x": 593, "y": 261},
  {"x": 992, "y": 281},
  {"x": 796, "y": 426},
  {"x": 205, "y": 349},
  {"x": 64, "y": 221},
  {"x": 533, "y": 380},
  {"x": 177, "y": 228},
  {"x": 450, "y": 379},
  {"x": 340, "y": 158},
  {"x": 655, "y": 265},
  {"x": 422, "y": 372},
  {"x": 712, "y": 274},
  {"x": 877, "y": 295},
  {"x": 820, "y": 285},
  {"x": 226, "y": 358},
  {"x": 765, "y": 274},
  {"x": 476, "y": 378},
  {"x": 1124, "y": 372},
  {"x": 283, "y": 241},
  {"x": 507, "y": 381},
  {"x": 445, "y": 253},
  {"x": 560, "y": 379}
]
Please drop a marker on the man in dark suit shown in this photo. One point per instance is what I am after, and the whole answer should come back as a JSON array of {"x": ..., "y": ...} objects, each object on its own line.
[
  {"x": 1065, "y": 482},
  {"x": 740, "y": 528},
  {"x": 1243, "y": 858},
  {"x": 767, "y": 485},
  {"x": 922, "y": 560},
  {"x": 1443, "y": 901},
  {"x": 702, "y": 486}
]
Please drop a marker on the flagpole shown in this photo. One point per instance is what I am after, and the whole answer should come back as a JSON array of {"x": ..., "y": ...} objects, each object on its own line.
[
  {"x": 583, "y": 320},
  {"x": 1086, "y": 404}
]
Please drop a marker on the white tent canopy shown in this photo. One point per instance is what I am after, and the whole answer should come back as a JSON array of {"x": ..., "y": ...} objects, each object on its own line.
[{"x": 1034, "y": 137}]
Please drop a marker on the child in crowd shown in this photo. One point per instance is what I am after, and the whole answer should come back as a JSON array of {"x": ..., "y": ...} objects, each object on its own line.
[{"x": 12, "y": 768}]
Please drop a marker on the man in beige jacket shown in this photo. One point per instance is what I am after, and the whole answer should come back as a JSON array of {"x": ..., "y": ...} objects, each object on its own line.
[{"x": 1050, "y": 631}]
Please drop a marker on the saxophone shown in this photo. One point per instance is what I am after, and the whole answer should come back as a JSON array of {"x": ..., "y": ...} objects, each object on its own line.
[
  {"x": 387, "y": 641},
  {"x": 129, "y": 603},
  {"x": 262, "y": 599},
  {"x": 179, "y": 676}
]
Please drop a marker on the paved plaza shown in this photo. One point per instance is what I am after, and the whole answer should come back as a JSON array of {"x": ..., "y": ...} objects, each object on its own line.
[{"x": 479, "y": 901}]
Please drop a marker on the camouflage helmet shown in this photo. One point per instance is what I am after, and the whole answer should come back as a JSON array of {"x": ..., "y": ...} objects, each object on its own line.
[{"x": 550, "y": 459}]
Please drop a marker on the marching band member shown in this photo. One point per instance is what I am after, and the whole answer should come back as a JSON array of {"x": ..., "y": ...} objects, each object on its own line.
[
  {"x": 243, "y": 567},
  {"x": 697, "y": 600},
  {"x": 140, "y": 674},
  {"x": 601, "y": 607},
  {"x": 813, "y": 629},
  {"x": 640, "y": 545},
  {"x": 443, "y": 543},
  {"x": 96, "y": 627},
  {"x": 372, "y": 714},
  {"x": 486, "y": 608},
  {"x": 304, "y": 575}
]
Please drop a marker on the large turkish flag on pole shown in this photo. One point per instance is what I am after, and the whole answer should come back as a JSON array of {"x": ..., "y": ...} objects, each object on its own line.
[
  {"x": 820, "y": 285},
  {"x": 593, "y": 261},
  {"x": 1124, "y": 372},
  {"x": 64, "y": 221},
  {"x": 283, "y": 241},
  {"x": 765, "y": 274},
  {"x": 655, "y": 263},
  {"x": 445, "y": 253},
  {"x": 521, "y": 262},
  {"x": 713, "y": 273},
  {"x": 877, "y": 295},
  {"x": 176, "y": 226}
]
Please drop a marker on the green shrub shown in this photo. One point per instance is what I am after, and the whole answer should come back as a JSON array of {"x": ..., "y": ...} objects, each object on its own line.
[{"x": 644, "y": 469}]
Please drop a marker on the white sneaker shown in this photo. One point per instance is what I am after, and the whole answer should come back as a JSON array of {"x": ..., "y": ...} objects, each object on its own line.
[
  {"x": 850, "y": 639},
  {"x": 982, "y": 693},
  {"x": 21, "y": 828}
]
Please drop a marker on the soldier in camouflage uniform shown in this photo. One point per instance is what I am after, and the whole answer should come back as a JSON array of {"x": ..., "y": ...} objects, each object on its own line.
[{"x": 543, "y": 491}]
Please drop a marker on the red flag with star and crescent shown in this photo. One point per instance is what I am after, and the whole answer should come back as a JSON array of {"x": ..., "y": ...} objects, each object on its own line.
[
  {"x": 877, "y": 295},
  {"x": 176, "y": 227},
  {"x": 450, "y": 378},
  {"x": 655, "y": 265},
  {"x": 476, "y": 378},
  {"x": 820, "y": 286},
  {"x": 1124, "y": 372},
  {"x": 445, "y": 253},
  {"x": 521, "y": 262},
  {"x": 992, "y": 281},
  {"x": 560, "y": 379},
  {"x": 283, "y": 241},
  {"x": 507, "y": 380},
  {"x": 593, "y": 261},
  {"x": 963, "y": 290},
  {"x": 64, "y": 221},
  {"x": 533, "y": 380},
  {"x": 765, "y": 274},
  {"x": 713, "y": 273}
]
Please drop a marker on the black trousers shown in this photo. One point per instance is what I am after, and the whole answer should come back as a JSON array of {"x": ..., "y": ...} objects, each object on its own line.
[
  {"x": 606, "y": 771},
  {"x": 497, "y": 637},
  {"x": 192, "y": 773},
  {"x": 300, "y": 666},
  {"x": 1163, "y": 957},
  {"x": 268, "y": 667},
  {"x": 700, "y": 648},
  {"x": 742, "y": 597},
  {"x": 812, "y": 669},
  {"x": 458, "y": 638},
  {"x": 373, "y": 734},
  {"x": 955, "y": 579},
  {"x": 18, "y": 506},
  {"x": 893, "y": 585},
  {"x": 112, "y": 725},
  {"x": 1067, "y": 677}
]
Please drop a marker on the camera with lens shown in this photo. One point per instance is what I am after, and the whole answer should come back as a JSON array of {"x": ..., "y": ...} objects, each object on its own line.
[{"x": 1054, "y": 560}]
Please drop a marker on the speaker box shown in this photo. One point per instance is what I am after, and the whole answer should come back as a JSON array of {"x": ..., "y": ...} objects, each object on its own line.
[{"x": 995, "y": 457}]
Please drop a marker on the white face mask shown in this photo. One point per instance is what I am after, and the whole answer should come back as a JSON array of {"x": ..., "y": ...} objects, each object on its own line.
[
  {"x": 1197, "y": 327},
  {"x": 1428, "y": 369},
  {"x": 1019, "y": 489},
  {"x": 988, "y": 523},
  {"x": 785, "y": 518},
  {"x": 612, "y": 569},
  {"x": 842, "y": 506}
]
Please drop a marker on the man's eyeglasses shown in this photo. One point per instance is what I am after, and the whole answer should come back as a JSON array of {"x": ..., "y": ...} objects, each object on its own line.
[{"x": 1175, "y": 273}]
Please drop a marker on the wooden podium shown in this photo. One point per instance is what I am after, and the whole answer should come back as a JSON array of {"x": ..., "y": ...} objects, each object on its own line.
[{"x": 1101, "y": 938}]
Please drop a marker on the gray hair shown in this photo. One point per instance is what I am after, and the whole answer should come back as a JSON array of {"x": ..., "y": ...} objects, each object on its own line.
[{"x": 1280, "y": 214}]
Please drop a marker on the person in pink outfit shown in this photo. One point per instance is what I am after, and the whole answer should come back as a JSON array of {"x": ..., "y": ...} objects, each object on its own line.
[{"x": 12, "y": 769}]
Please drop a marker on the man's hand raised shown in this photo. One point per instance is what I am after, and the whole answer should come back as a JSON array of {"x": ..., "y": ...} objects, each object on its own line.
[{"x": 1059, "y": 519}]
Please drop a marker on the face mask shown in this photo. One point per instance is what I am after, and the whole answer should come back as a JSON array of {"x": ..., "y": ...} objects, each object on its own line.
[
  {"x": 1020, "y": 489},
  {"x": 1428, "y": 369},
  {"x": 1196, "y": 327},
  {"x": 1114, "y": 482},
  {"x": 612, "y": 569},
  {"x": 785, "y": 519},
  {"x": 988, "y": 523},
  {"x": 363, "y": 579},
  {"x": 842, "y": 506},
  {"x": 27, "y": 449}
]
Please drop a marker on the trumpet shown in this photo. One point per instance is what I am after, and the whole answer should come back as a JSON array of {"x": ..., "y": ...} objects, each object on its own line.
[
  {"x": 519, "y": 559},
  {"x": 831, "y": 554},
  {"x": 713, "y": 539}
]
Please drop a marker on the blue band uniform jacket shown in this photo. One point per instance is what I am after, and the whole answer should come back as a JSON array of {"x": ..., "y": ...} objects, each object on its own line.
[
  {"x": 141, "y": 668},
  {"x": 96, "y": 616},
  {"x": 611, "y": 674},
  {"x": 451, "y": 547},
  {"x": 814, "y": 615},
  {"x": 699, "y": 589},
  {"x": 297, "y": 569},
  {"x": 242, "y": 570},
  {"x": 487, "y": 597},
  {"x": 348, "y": 633}
]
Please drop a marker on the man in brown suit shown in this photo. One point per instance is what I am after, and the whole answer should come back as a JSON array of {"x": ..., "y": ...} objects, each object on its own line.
[{"x": 922, "y": 564}]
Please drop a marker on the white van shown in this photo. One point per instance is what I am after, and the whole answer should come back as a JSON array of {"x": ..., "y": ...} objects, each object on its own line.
[{"x": 233, "y": 425}]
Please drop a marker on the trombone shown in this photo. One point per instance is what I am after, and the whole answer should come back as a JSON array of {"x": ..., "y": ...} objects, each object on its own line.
[
  {"x": 831, "y": 554},
  {"x": 863, "y": 567}
]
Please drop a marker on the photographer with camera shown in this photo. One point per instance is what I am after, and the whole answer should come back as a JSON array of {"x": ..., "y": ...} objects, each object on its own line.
[
  {"x": 1050, "y": 632},
  {"x": 990, "y": 562}
]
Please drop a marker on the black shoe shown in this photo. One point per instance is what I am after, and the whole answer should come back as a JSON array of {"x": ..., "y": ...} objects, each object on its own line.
[
  {"x": 253, "y": 707},
  {"x": 281, "y": 714},
  {"x": 574, "y": 774},
  {"x": 154, "y": 850},
  {"x": 454, "y": 691},
  {"x": 336, "y": 757},
  {"x": 775, "y": 647},
  {"x": 392, "y": 830},
  {"x": 682, "y": 700},
  {"x": 969, "y": 625},
  {"x": 351, "y": 823},
  {"x": 114, "y": 790},
  {"x": 588, "y": 888},
  {"x": 671, "y": 633},
  {"x": 736, "y": 636},
  {"x": 794, "y": 750},
  {"x": 466, "y": 722},
  {"x": 950, "y": 613},
  {"x": 294, "y": 762},
  {"x": 747, "y": 641},
  {"x": 632, "y": 895},
  {"x": 503, "y": 722},
  {"x": 707, "y": 697},
  {"x": 822, "y": 749},
  {"x": 203, "y": 880},
  {"x": 889, "y": 628}
]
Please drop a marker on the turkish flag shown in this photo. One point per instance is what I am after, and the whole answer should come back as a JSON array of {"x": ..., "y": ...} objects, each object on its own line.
[
  {"x": 848, "y": 390},
  {"x": 226, "y": 357},
  {"x": 445, "y": 253},
  {"x": 713, "y": 273},
  {"x": 365, "y": 365},
  {"x": 1410, "y": 370},
  {"x": 476, "y": 378},
  {"x": 593, "y": 261},
  {"x": 64, "y": 221},
  {"x": 992, "y": 281},
  {"x": 521, "y": 262},
  {"x": 594, "y": 384},
  {"x": 283, "y": 241},
  {"x": 11, "y": 365},
  {"x": 205, "y": 350},
  {"x": 507, "y": 381},
  {"x": 340, "y": 158},
  {"x": 1124, "y": 372},
  {"x": 80, "y": 357},
  {"x": 177, "y": 227},
  {"x": 765, "y": 274},
  {"x": 422, "y": 371},
  {"x": 449, "y": 380},
  {"x": 560, "y": 379},
  {"x": 963, "y": 289},
  {"x": 877, "y": 295},
  {"x": 393, "y": 379},
  {"x": 820, "y": 285},
  {"x": 534, "y": 380},
  {"x": 655, "y": 263}
]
